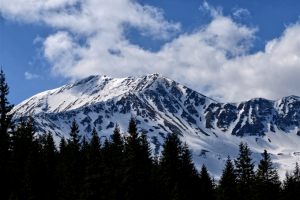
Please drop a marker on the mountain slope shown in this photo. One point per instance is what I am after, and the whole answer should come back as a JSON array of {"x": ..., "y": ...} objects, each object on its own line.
[{"x": 161, "y": 106}]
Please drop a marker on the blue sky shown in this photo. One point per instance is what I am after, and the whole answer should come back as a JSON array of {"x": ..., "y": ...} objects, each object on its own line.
[{"x": 228, "y": 50}]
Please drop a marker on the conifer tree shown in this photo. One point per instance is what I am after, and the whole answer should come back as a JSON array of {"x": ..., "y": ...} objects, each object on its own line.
[
  {"x": 245, "y": 172},
  {"x": 189, "y": 176},
  {"x": 267, "y": 183},
  {"x": 6, "y": 125},
  {"x": 169, "y": 167},
  {"x": 93, "y": 179},
  {"x": 108, "y": 190},
  {"x": 117, "y": 163},
  {"x": 291, "y": 186},
  {"x": 297, "y": 175},
  {"x": 24, "y": 148},
  {"x": 135, "y": 183},
  {"x": 63, "y": 171},
  {"x": 227, "y": 184},
  {"x": 206, "y": 184},
  {"x": 154, "y": 179},
  {"x": 34, "y": 168},
  {"x": 117, "y": 139},
  {"x": 74, "y": 164},
  {"x": 146, "y": 164},
  {"x": 83, "y": 161},
  {"x": 50, "y": 157}
]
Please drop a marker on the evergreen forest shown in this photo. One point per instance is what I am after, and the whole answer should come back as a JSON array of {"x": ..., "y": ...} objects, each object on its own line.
[{"x": 123, "y": 167}]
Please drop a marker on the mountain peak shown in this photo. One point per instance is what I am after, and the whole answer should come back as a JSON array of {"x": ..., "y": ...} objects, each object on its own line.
[{"x": 161, "y": 106}]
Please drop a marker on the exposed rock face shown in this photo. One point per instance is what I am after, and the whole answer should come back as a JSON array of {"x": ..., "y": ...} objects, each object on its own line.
[{"x": 161, "y": 106}]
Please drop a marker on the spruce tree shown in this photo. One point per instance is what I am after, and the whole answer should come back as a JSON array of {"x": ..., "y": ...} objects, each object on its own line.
[
  {"x": 189, "y": 176},
  {"x": 291, "y": 185},
  {"x": 297, "y": 175},
  {"x": 136, "y": 157},
  {"x": 169, "y": 167},
  {"x": 108, "y": 190},
  {"x": 245, "y": 172},
  {"x": 267, "y": 183},
  {"x": 206, "y": 184},
  {"x": 6, "y": 126},
  {"x": 63, "y": 172},
  {"x": 83, "y": 161},
  {"x": 50, "y": 158},
  {"x": 117, "y": 140},
  {"x": 25, "y": 149},
  {"x": 93, "y": 180},
  {"x": 116, "y": 152},
  {"x": 74, "y": 164},
  {"x": 227, "y": 184},
  {"x": 34, "y": 169}
]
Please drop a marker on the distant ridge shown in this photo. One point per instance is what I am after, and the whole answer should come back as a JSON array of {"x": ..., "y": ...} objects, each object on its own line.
[{"x": 161, "y": 106}]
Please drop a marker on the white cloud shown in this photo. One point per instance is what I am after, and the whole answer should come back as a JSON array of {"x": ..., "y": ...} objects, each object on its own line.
[
  {"x": 29, "y": 76},
  {"x": 38, "y": 39},
  {"x": 214, "y": 60},
  {"x": 240, "y": 13}
]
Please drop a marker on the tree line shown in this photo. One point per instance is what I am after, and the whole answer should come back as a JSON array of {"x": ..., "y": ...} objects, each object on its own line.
[{"x": 123, "y": 167}]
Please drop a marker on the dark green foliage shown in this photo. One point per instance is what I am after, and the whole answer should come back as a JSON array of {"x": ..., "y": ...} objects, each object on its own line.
[
  {"x": 227, "y": 184},
  {"x": 245, "y": 172},
  {"x": 6, "y": 126},
  {"x": 108, "y": 190},
  {"x": 50, "y": 159},
  {"x": 138, "y": 163},
  {"x": 169, "y": 167},
  {"x": 206, "y": 184},
  {"x": 93, "y": 180},
  {"x": 267, "y": 183},
  {"x": 177, "y": 174},
  {"x": 189, "y": 176},
  {"x": 117, "y": 139},
  {"x": 62, "y": 170},
  {"x": 74, "y": 174},
  {"x": 291, "y": 185},
  {"x": 117, "y": 162}
]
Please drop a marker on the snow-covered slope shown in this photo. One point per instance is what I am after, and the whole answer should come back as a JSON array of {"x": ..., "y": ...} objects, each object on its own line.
[{"x": 161, "y": 106}]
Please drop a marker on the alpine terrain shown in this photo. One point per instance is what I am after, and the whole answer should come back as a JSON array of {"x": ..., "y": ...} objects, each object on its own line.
[{"x": 213, "y": 130}]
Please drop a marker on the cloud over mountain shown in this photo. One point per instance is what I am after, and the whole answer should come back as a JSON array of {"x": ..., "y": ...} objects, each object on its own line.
[{"x": 91, "y": 38}]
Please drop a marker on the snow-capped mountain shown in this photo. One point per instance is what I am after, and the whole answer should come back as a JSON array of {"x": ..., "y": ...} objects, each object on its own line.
[{"x": 160, "y": 106}]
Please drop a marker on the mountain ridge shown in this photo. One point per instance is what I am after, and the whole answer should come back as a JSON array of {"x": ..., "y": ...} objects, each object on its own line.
[{"x": 161, "y": 106}]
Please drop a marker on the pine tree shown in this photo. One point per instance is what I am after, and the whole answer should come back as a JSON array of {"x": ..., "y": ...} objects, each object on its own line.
[
  {"x": 117, "y": 163},
  {"x": 189, "y": 176},
  {"x": 169, "y": 167},
  {"x": 108, "y": 190},
  {"x": 93, "y": 180},
  {"x": 146, "y": 164},
  {"x": 245, "y": 172},
  {"x": 34, "y": 169},
  {"x": 136, "y": 157},
  {"x": 227, "y": 184},
  {"x": 24, "y": 149},
  {"x": 83, "y": 161},
  {"x": 6, "y": 125},
  {"x": 267, "y": 183},
  {"x": 291, "y": 186},
  {"x": 117, "y": 139},
  {"x": 206, "y": 184},
  {"x": 62, "y": 171},
  {"x": 154, "y": 179},
  {"x": 26, "y": 161},
  {"x": 297, "y": 175},
  {"x": 74, "y": 165},
  {"x": 50, "y": 158}
]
